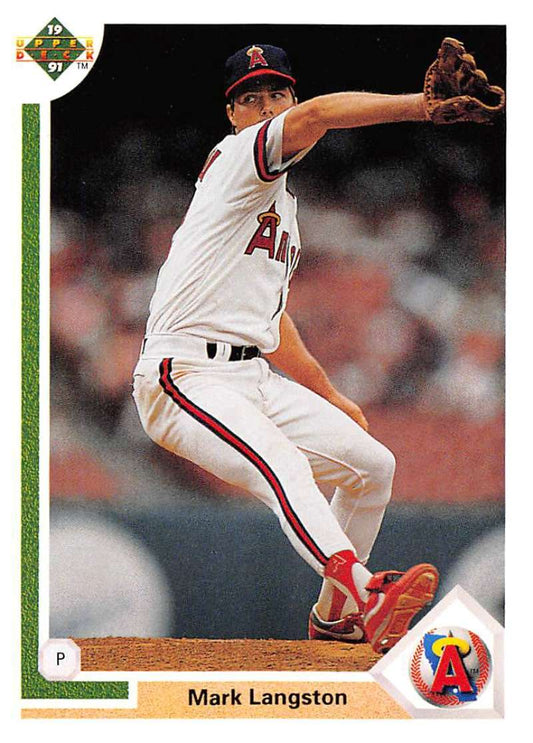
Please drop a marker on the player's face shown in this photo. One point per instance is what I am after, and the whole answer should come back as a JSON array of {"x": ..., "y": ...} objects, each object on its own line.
[{"x": 259, "y": 104}]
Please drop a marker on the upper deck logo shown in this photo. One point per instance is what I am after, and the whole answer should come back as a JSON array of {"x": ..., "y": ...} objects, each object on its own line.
[
  {"x": 55, "y": 48},
  {"x": 450, "y": 667}
]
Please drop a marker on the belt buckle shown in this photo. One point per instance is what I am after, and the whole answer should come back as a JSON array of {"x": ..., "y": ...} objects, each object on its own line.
[
  {"x": 250, "y": 352},
  {"x": 236, "y": 353}
]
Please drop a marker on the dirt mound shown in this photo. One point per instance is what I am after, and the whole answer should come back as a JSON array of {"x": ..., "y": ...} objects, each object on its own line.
[{"x": 169, "y": 654}]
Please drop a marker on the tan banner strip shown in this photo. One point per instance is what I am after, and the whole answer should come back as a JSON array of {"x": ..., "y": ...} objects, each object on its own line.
[{"x": 210, "y": 700}]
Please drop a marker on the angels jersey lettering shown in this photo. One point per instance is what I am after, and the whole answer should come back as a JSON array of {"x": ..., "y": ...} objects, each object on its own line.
[{"x": 227, "y": 274}]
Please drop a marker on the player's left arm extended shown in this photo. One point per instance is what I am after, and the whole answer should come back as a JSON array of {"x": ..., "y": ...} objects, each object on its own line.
[
  {"x": 293, "y": 358},
  {"x": 307, "y": 122}
]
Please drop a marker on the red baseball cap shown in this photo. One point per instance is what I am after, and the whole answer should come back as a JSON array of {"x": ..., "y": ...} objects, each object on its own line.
[{"x": 253, "y": 61}]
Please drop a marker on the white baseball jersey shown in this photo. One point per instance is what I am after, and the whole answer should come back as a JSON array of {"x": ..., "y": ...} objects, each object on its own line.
[
  {"x": 226, "y": 280},
  {"x": 227, "y": 275}
]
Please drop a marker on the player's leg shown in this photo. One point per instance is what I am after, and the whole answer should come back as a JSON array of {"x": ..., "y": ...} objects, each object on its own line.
[
  {"x": 216, "y": 422},
  {"x": 363, "y": 488},
  {"x": 342, "y": 454}
]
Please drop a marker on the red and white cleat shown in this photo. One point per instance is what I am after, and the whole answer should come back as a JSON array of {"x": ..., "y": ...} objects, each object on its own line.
[
  {"x": 394, "y": 600},
  {"x": 348, "y": 629}
]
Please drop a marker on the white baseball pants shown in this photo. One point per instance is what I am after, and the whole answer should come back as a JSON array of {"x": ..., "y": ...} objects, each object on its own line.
[{"x": 253, "y": 428}]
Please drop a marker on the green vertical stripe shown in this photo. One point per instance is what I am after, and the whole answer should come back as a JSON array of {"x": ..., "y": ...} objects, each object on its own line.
[
  {"x": 30, "y": 391},
  {"x": 34, "y": 686}
]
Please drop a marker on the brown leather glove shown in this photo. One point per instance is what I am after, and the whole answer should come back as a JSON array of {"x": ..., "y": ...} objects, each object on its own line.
[{"x": 455, "y": 90}]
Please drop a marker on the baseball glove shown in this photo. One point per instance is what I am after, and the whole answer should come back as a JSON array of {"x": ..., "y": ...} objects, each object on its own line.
[{"x": 455, "y": 90}]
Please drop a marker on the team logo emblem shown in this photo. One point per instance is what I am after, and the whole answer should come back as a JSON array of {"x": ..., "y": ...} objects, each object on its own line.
[
  {"x": 265, "y": 238},
  {"x": 256, "y": 57},
  {"x": 450, "y": 667}
]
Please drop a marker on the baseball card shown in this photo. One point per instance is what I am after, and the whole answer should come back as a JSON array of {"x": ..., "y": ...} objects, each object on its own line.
[{"x": 262, "y": 344}]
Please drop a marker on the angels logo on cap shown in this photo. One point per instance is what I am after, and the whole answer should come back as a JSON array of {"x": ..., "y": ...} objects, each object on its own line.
[
  {"x": 254, "y": 60},
  {"x": 256, "y": 57}
]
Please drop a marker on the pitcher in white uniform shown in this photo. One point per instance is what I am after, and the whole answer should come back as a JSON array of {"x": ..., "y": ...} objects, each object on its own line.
[{"x": 204, "y": 386}]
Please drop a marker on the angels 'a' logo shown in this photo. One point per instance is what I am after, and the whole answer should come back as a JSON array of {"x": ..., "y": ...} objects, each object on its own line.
[
  {"x": 450, "y": 666},
  {"x": 256, "y": 57},
  {"x": 266, "y": 236}
]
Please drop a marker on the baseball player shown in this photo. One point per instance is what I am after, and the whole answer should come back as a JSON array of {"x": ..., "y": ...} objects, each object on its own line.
[{"x": 205, "y": 386}]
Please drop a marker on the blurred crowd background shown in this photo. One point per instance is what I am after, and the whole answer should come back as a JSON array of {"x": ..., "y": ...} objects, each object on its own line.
[{"x": 400, "y": 294}]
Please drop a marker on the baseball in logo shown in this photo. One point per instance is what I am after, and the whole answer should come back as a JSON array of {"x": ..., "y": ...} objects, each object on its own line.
[{"x": 451, "y": 666}]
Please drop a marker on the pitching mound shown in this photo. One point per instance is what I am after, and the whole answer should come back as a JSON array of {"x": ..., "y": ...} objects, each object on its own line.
[{"x": 168, "y": 654}]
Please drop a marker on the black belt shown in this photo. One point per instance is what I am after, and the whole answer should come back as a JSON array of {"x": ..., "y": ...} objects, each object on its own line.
[{"x": 237, "y": 353}]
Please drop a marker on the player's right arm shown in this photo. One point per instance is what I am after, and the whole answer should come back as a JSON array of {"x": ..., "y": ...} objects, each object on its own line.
[{"x": 307, "y": 122}]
